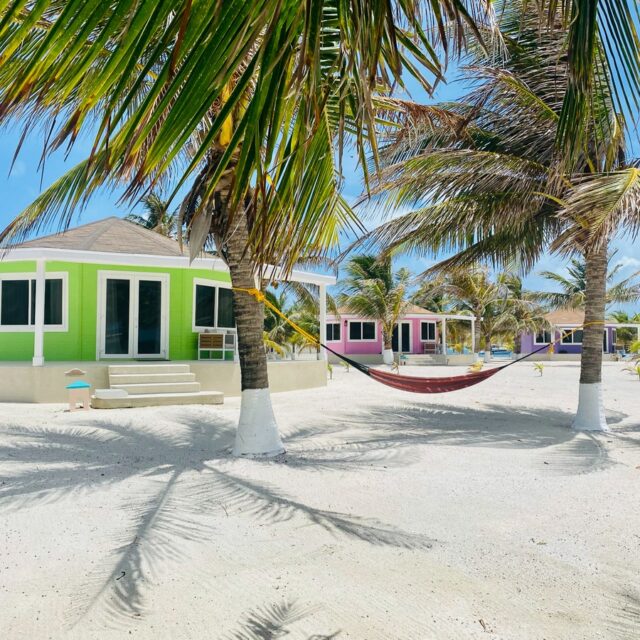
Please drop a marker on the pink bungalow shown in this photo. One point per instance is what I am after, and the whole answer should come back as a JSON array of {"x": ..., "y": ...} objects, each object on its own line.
[{"x": 418, "y": 337}]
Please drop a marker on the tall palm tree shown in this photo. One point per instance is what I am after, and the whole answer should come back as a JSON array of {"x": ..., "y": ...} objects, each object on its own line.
[
  {"x": 484, "y": 176},
  {"x": 573, "y": 286},
  {"x": 372, "y": 290},
  {"x": 156, "y": 217},
  {"x": 244, "y": 105}
]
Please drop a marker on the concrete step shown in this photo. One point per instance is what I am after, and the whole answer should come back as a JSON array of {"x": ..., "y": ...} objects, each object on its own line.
[
  {"x": 159, "y": 387},
  {"x": 141, "y": 378},
  {"x": 425, "y": 359},
  {"x": 126, "y": 369},
  {"x": 158, "y": 399}
]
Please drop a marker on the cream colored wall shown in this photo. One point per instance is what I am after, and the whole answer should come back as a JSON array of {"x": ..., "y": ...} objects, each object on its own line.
[
  {"x": 21, "y": 382},
  {"x": 283, "y": 376}
]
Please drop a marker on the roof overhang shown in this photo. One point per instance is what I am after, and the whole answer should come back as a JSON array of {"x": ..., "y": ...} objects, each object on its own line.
[{"x": 141, "y": 260}]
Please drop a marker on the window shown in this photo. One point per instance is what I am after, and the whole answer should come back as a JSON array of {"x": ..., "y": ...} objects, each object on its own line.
[
  {"x": 571, "y": 336},
  {"x": 362, "y": 331},
  {"x": 226, "y": 318},
  {"x": 18, "y": 303},
  {"x": 427, "y": 331},
  {"x": 212, "y": 307},
  {"x": 205, "y": 306},
  {"x": 333, "y": 332},
  {"x": 543, "y": 337}
]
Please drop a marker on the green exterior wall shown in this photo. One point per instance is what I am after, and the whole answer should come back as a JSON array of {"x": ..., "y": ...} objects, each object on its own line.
[{"x": 79, "y": 342}]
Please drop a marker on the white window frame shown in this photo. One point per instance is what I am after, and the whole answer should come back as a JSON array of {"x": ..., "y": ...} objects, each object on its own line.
[
  {"x": 435, "y": 332},
  {"x": 564, "y": 330},
  {"x": 340, "y": 327},
  {"x": 30, "y": 328},
  {"x": 217, "y": 285},
  {"x": 375, "y": 329},
  {"x": 551, "y": 336}
]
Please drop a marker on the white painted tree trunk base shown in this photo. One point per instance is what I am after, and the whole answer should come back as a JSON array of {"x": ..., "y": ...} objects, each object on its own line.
[
  {"x": 590, "y": 415},
  {"x": 487, "y": 355},
  {"x": 387, "y": 356},
  {"x": 257, "y": 435}
]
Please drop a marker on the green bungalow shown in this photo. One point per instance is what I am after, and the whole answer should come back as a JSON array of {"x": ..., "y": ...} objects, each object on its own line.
[{"x": 114, "y": 293}]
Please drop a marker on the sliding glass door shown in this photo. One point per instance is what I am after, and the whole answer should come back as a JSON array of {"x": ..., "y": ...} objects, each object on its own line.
[{"x": 132, "y": 316}]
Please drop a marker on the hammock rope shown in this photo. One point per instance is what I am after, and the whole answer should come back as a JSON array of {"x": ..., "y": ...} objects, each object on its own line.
[{"x": 413, "y": 384}]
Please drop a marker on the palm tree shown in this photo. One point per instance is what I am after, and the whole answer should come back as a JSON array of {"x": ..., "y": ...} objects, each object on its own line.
[
  {"x": 497, "y": 311},
  {"x": 246, "y": 106},
  {"x": 485, "y": 177},
  {"x": 156, "y": 217},
  {"x": 573, "y": 286},
  {"x": 626, "y": 337},
  {"x": 372, "y": 290},
  {"x": 528, "y": 315}
]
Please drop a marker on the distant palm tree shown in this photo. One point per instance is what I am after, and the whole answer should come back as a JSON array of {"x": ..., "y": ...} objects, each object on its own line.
[
  {"x": 496, "y": 306},
  {"x": 626, "y": 336},
  {"x": 528, "y": 315},
  {"x": 157, "y": 216},
  {"x": 372, "y": 290},
  {"x": 429, "y": 296},
  {"x": 574, "y": 285}
]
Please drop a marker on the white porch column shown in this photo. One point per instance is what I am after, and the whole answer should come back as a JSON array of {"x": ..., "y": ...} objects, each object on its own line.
[
  {"x": 38, "y": 334},
  {"x": 322, "y": 354},
  {"x": 444, "y": 336}
]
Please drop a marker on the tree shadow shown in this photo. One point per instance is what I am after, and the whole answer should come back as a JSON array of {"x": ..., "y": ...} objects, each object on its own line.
[
  {"x": 383, "y": 433},
  {"x": 272, "y": 622},
  {"x": 186, "y": 464}
]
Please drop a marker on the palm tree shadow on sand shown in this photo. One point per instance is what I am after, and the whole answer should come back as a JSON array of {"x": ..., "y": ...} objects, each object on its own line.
[
  {"x": 273, "y": 621},
  {"x": 390, "y": 433},
  {"x": 186, "y": 464}
]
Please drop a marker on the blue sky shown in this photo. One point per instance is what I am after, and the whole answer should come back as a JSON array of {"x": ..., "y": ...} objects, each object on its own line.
[{"x": 22, "y": 185}]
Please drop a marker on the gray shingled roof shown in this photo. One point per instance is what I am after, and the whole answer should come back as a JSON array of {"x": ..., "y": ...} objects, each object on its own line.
[{"x": 111, "y": 235}]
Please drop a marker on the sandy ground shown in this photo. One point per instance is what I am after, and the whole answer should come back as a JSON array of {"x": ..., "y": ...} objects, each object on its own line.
[{"x": 475, "y": 514}]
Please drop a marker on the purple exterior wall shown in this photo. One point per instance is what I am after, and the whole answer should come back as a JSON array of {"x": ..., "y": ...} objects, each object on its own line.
[
  {"x": 528, "y": 343},
  {"x": 358, "y": 347}
]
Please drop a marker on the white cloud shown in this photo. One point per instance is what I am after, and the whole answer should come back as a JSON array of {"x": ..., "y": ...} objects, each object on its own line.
[{"x": 628, "y": 262}]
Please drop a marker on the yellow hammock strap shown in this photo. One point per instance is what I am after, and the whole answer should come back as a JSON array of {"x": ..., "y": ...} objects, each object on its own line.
[{"x": 260, "y": 297}]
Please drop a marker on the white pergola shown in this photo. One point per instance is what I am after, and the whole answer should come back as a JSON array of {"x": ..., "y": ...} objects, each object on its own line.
[{"x": 443, "y": 327}]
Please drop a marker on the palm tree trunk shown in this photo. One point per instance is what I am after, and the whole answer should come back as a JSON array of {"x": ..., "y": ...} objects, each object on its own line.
[
  {"x": 257, "y": 434},
  {"x": 590, "y": 415},
  {"x": 387, "y": 351},
  {"x": 487, "y": 348},
  {"x": 517, "y": 342}
]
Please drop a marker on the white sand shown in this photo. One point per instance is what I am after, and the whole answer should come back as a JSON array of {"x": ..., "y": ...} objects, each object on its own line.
[{"x": 476, "y": 514}]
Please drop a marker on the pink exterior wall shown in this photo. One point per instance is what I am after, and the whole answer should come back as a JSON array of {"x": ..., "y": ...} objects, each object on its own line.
[{"x": 346, "y": 346}]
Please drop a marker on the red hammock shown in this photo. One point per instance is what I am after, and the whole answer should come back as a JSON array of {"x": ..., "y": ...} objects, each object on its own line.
[
  {"x": 431, "y": 385},
  {"x": 427, "y": 385}
]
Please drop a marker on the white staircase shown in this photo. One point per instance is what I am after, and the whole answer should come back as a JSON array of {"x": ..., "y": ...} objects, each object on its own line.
[
  {"x": 424, "y": 359},
  {"x": 146, "y": 385}
]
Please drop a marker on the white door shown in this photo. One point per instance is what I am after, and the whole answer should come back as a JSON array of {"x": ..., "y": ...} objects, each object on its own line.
[{"x": 132, "y": 315}]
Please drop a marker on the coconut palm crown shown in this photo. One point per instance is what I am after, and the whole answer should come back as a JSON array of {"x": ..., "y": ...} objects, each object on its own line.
[
  {"x": 372, "y": 290},
  {"x": 573, "y": 286},
  {"x": 156, "y": 216}
]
